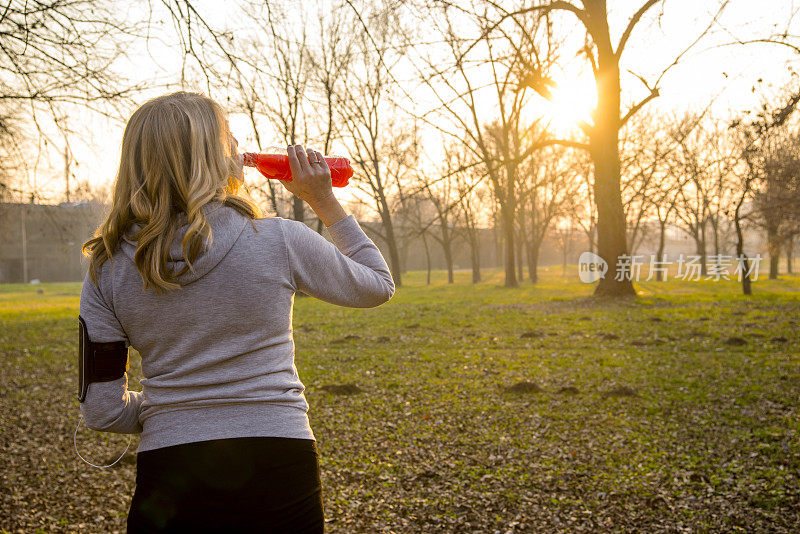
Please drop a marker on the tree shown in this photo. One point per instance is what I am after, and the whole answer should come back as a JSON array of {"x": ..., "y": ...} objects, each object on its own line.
[
  {"x": 777, "y": 201},
  {"x": 603, "y": 56},
  {"x": 383, "y": 146},
  {"x": 551, "y": 187},
  {"x": 275, "y": 90},
  {"x": 564, "y": 237},
  {"x": 645, "y": 147},
  {"x": 584, "y": 212},
  {"x": 493, "y": 142},
  {"x": 54, "y": 56},
  {"x": 471, "y": 197},
  {"x": 756, "y": 139},
  {"x": 418, "y": 216},
  {"x": 693, "y": 166},
  {"x": 329, "y": 61},
  {"x": 470, "y": 191},
  {"x": 444, "y": 199}
]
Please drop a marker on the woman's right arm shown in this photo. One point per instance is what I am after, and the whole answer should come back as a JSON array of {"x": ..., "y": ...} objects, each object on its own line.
[{"x": 350, "y": 271}]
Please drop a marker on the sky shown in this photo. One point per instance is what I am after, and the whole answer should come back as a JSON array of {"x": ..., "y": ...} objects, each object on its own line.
[{"x": 711, "y": 70}]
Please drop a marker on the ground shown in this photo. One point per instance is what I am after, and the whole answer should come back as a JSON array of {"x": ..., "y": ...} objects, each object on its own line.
[{"x": 472, "y": 409}]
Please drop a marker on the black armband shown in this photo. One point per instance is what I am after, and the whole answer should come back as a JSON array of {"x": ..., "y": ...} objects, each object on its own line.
[{"x": 98, "y": 362}]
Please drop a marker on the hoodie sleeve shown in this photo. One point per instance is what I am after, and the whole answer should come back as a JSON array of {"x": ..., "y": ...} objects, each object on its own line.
[
  {"x": 109, "y": 406},
  {"x": 348, "y": 272}
]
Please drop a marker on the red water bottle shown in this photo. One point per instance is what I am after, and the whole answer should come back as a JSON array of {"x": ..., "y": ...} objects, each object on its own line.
[{"x": 276, "y": 165}]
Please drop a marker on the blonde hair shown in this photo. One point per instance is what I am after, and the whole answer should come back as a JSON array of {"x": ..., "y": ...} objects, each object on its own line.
[{"x": 177, "y": 156}]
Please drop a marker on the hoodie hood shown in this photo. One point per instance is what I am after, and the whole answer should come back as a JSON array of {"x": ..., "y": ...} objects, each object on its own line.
[{"x": 226, "y": 227}]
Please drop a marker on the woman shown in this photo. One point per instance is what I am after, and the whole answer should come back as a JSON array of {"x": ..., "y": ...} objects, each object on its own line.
[{"x": 188, "y": 273}]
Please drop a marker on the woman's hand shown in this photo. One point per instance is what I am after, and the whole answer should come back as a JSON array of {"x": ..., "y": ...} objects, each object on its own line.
[
  {"x": 236, "y": 161},
  {"x": 311, "y": 176}
]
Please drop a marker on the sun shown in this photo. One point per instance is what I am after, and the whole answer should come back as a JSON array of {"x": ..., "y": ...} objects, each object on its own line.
[{"x": 572, "y": 101}]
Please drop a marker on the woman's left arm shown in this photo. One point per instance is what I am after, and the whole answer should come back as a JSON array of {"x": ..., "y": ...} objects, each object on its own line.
[{"x": 109, "y": 406}]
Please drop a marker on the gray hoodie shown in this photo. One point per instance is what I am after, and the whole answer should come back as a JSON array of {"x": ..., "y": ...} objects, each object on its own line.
[{"x": 218, "y": 354}]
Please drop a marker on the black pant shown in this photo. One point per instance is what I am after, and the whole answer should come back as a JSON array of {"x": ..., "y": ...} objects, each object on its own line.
[{"x": 261, "y": 484}]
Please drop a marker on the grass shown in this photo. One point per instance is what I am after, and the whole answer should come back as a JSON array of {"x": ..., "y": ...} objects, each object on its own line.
[{"x": 666, "y": 428}]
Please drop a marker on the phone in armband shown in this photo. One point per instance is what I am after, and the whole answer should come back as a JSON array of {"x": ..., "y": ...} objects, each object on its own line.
[{"x": 98, "y": 362}]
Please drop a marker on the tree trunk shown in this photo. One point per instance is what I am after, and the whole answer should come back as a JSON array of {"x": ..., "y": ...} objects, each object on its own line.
[
  {"x": 533, "y": 260},
  {"x": 404, "y": 255},
  {"x": 476, "y": 265},
  {"x": 474, "y": 245},
  {"x": 447, "y": 246},
  {"x": 498, "y": 245},
  {"x": 508, "y": 233},
  {"x": 427, "y": 259},
  {"x": 520, "y": 263},
  {"x": 604, "y": 151},
  {"x": 394, "y": 254},
  {"x": 789, "y": 253},
  {"x": 273, "y": 198},
  {"x": 611, "y": 237},
  {"x": 774, "y": 247},
  {"x": 701, "y": 250},
  {"x": 661, "y": 243},
  {"x": 448, "y": 258},
  {"x": 745, "y": 267}
]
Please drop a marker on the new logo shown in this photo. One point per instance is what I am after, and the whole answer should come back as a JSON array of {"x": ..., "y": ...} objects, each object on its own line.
[{"x": 591, "y": 267}]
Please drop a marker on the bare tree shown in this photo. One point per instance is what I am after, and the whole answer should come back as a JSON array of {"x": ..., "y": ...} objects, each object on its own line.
[
  {"x": 564, "y": 235},
  {"x": 695, "y": 165},
  {"x": 444, "y": 196},
  {"x": 248, "y": 101},
  {"x": 584, "y": 213},
  {"x": 277, "y": 89},
  {"x": 472, "y": 193},
  {"x": 644, "y": 150},
  {"x": 471, "y": 201},
  {"x": 550, "y": 189},
  {"x": 330, "y": 59},
  {"x": 383, "y": 146},
  {"x": 461, "y": 102},
  {"x": 756, "y": 138},
  {"x": 776, "y": 200},
  {"x": 603, "y": 56},
  {"x": 663, "y": 203},
  {"x": 418, "y": 216},
  {"x": 54, "y": 56}
]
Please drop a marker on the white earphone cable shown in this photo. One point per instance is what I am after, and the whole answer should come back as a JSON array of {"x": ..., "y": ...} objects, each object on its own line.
[{"x": 75, "y": 442}]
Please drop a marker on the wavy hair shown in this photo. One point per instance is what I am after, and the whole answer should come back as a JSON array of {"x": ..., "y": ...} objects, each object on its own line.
[{"x": 177, "y": 155}]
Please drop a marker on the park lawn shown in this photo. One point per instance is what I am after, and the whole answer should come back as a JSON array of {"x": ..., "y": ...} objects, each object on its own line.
[{"x": 673, "y": 412}]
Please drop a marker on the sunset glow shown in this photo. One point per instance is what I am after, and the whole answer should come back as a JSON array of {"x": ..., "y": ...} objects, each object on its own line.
[{"x": 573, "y": 100}]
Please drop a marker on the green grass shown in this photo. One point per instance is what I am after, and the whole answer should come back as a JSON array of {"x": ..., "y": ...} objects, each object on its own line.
[{"x": 708, "y": 442}]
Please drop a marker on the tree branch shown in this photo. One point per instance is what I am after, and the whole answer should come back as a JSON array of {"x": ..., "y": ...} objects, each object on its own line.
[
  {"x": 631, "y": 24},
  {"x": 631, "y": 112}
]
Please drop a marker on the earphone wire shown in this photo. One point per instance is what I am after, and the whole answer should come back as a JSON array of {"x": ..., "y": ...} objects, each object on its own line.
[{"x": 75, "y": 442}]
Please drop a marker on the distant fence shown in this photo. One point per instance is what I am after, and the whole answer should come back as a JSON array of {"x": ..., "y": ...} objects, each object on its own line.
[{"x": 40, "y": 241}]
